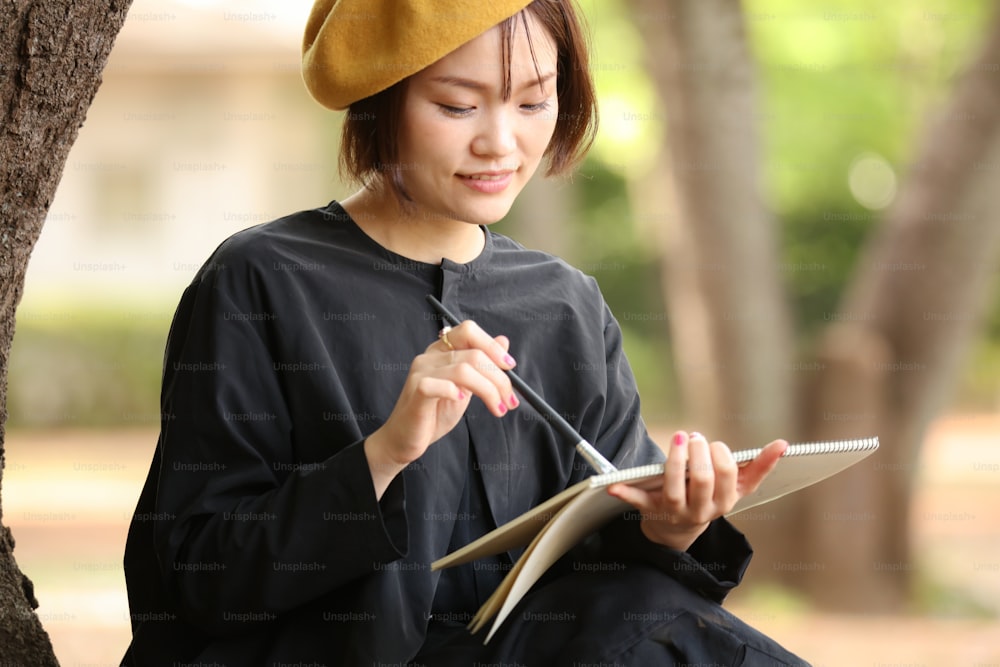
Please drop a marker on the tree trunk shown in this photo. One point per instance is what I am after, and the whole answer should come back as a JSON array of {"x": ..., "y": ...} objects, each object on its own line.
[
  {"x": 917, "y": 298},
  {"x": 51, "y": 56},
  {"x": 541, "y": 215},
  {"x": 886, "y": 364},
  {"x": 729, "y": 318}
]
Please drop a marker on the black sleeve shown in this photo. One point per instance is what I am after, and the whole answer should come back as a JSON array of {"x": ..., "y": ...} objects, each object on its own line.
[
  {"x": 242, "y": 539},
  {"x": 712, "y": 566},
  {"x": 715, "y": 563}
]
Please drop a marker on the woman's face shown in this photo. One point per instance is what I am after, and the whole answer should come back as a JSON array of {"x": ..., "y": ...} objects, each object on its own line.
[{"x": 465, "y": 152}]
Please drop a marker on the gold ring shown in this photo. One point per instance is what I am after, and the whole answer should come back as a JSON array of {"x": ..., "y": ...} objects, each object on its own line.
[{"x": 443, "y": 335}]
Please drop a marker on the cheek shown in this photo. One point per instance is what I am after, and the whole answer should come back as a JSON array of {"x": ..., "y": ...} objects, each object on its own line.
[
  {"x": 429, "y": 140},
  {"x": 542, "y": 136}
]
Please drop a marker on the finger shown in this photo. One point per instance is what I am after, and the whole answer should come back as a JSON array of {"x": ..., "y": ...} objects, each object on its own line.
[
  {"x": 460, "y": 365},
  {"x": 674, "y": 491},
  {"x": 432, "y": 387},
  {"x": 444, "y": 342},
  {"x": 751, "y": 474},
  {"x": 701, "y": 477},
  {"x": 637, "y": 498},
  {"x": 480, "y": 377},
  {"x": 726, "y": 472},
  {"x": 433, "y": 362},
  {"x": 485, "y": 360},
  {"x": 475, "y": 372},
  {"x": 468, "y": 335}
]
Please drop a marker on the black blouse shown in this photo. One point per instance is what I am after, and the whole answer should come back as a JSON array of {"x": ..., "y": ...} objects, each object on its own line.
[{"x": 258, "y": 538}]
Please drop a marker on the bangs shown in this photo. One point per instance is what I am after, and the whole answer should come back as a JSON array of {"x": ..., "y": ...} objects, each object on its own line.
[{"x": 507, "y": 29}]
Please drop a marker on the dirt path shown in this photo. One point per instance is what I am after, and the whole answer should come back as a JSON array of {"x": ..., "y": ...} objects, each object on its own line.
[{"x": 68, "y": 497}]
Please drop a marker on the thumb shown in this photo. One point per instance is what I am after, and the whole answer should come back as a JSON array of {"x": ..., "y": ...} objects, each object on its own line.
[
  {"x": 637, "y": 498},
  {"x": 753, "y": 473}
]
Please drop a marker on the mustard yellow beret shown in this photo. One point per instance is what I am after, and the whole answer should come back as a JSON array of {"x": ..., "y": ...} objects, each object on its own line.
[{"x": 353, "y": 49}]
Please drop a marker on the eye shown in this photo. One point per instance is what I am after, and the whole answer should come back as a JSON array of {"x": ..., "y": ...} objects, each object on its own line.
[
  {"x": 456, "y": 112},
  {"x": 535, "y": 108}
]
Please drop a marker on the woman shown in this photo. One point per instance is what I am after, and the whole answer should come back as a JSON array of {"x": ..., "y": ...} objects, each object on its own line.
[{"x": 323, "y": 441}]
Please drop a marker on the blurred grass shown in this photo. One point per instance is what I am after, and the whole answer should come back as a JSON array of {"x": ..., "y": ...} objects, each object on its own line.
[{"x": 933, "y": 596}]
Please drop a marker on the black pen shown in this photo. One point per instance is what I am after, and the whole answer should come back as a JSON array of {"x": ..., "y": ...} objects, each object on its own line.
[{"x": 586, "y": 450}]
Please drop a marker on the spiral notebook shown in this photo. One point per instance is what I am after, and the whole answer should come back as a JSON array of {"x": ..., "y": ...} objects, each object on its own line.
[{"x": 552, "y": 528}]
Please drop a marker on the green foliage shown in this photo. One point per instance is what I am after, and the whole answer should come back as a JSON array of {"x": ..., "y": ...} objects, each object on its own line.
[
  {"x": 836, "y": 83},
  {"x": 979, "y": 391},
  {"x": 820, "y": 247},
  {"x": 80, "y": 366},
  {"x": 626, "y": 266}
]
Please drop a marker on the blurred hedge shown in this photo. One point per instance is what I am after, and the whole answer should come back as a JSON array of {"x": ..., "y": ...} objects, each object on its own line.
[
  {"x": 77, "y": 366},
  {"x": 102, "y": 369}
]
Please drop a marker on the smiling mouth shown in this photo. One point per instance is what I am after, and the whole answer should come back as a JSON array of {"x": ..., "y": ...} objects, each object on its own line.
[
  {"x": 488, "y": 182},
  {"x": 488, "y": 176}
]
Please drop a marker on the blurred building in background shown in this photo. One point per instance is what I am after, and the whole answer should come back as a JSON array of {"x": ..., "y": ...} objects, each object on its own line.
[{"x": 202, "y": 127}]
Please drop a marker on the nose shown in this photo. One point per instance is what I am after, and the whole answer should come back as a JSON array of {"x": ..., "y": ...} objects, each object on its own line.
[{"x": 496, "y": 135}]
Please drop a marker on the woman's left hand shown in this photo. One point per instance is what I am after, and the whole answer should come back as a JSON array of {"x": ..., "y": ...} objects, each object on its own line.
[{"x": 701, "y": 483}]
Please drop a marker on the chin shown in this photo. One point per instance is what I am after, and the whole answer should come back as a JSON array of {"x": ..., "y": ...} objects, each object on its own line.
[
  {"x": 483, "y": 212},
  {"x": 488, "y": 216}
]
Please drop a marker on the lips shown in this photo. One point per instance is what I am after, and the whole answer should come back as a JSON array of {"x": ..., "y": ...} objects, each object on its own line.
[{"x": 488, "y": 182}]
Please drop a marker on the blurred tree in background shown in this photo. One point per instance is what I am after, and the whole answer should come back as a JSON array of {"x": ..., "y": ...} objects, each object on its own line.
[
  {"x": 817, "y": 190},
  {"x": 827, "y": 280},
  {"x": 893, "y": 342}
]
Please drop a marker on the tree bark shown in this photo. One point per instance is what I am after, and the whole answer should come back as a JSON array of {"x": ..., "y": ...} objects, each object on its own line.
[
  {"x": 886, "y": 364},
  {"x": 729, "y": 318},
  {"x": 51, "y": 57}
]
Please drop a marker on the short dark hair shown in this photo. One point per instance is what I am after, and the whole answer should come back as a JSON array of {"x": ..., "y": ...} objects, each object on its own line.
[{"x": 370, "y": 134}]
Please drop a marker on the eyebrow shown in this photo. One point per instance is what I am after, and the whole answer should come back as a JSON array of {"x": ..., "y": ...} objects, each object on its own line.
[{"x": 478, "y": 85}]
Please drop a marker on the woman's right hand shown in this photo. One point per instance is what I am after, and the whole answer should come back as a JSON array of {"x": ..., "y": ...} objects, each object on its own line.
[{"x": 436, "y": 394}]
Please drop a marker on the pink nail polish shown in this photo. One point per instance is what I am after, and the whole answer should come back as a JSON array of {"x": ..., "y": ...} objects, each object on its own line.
[
  {"x": 461, "y": 395},
  {"x": 509, "y": 360},
  {"x": 513, "y": 402},
  {"x": 503, "y": 409},
  {"x": 679, "y": 439}
]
